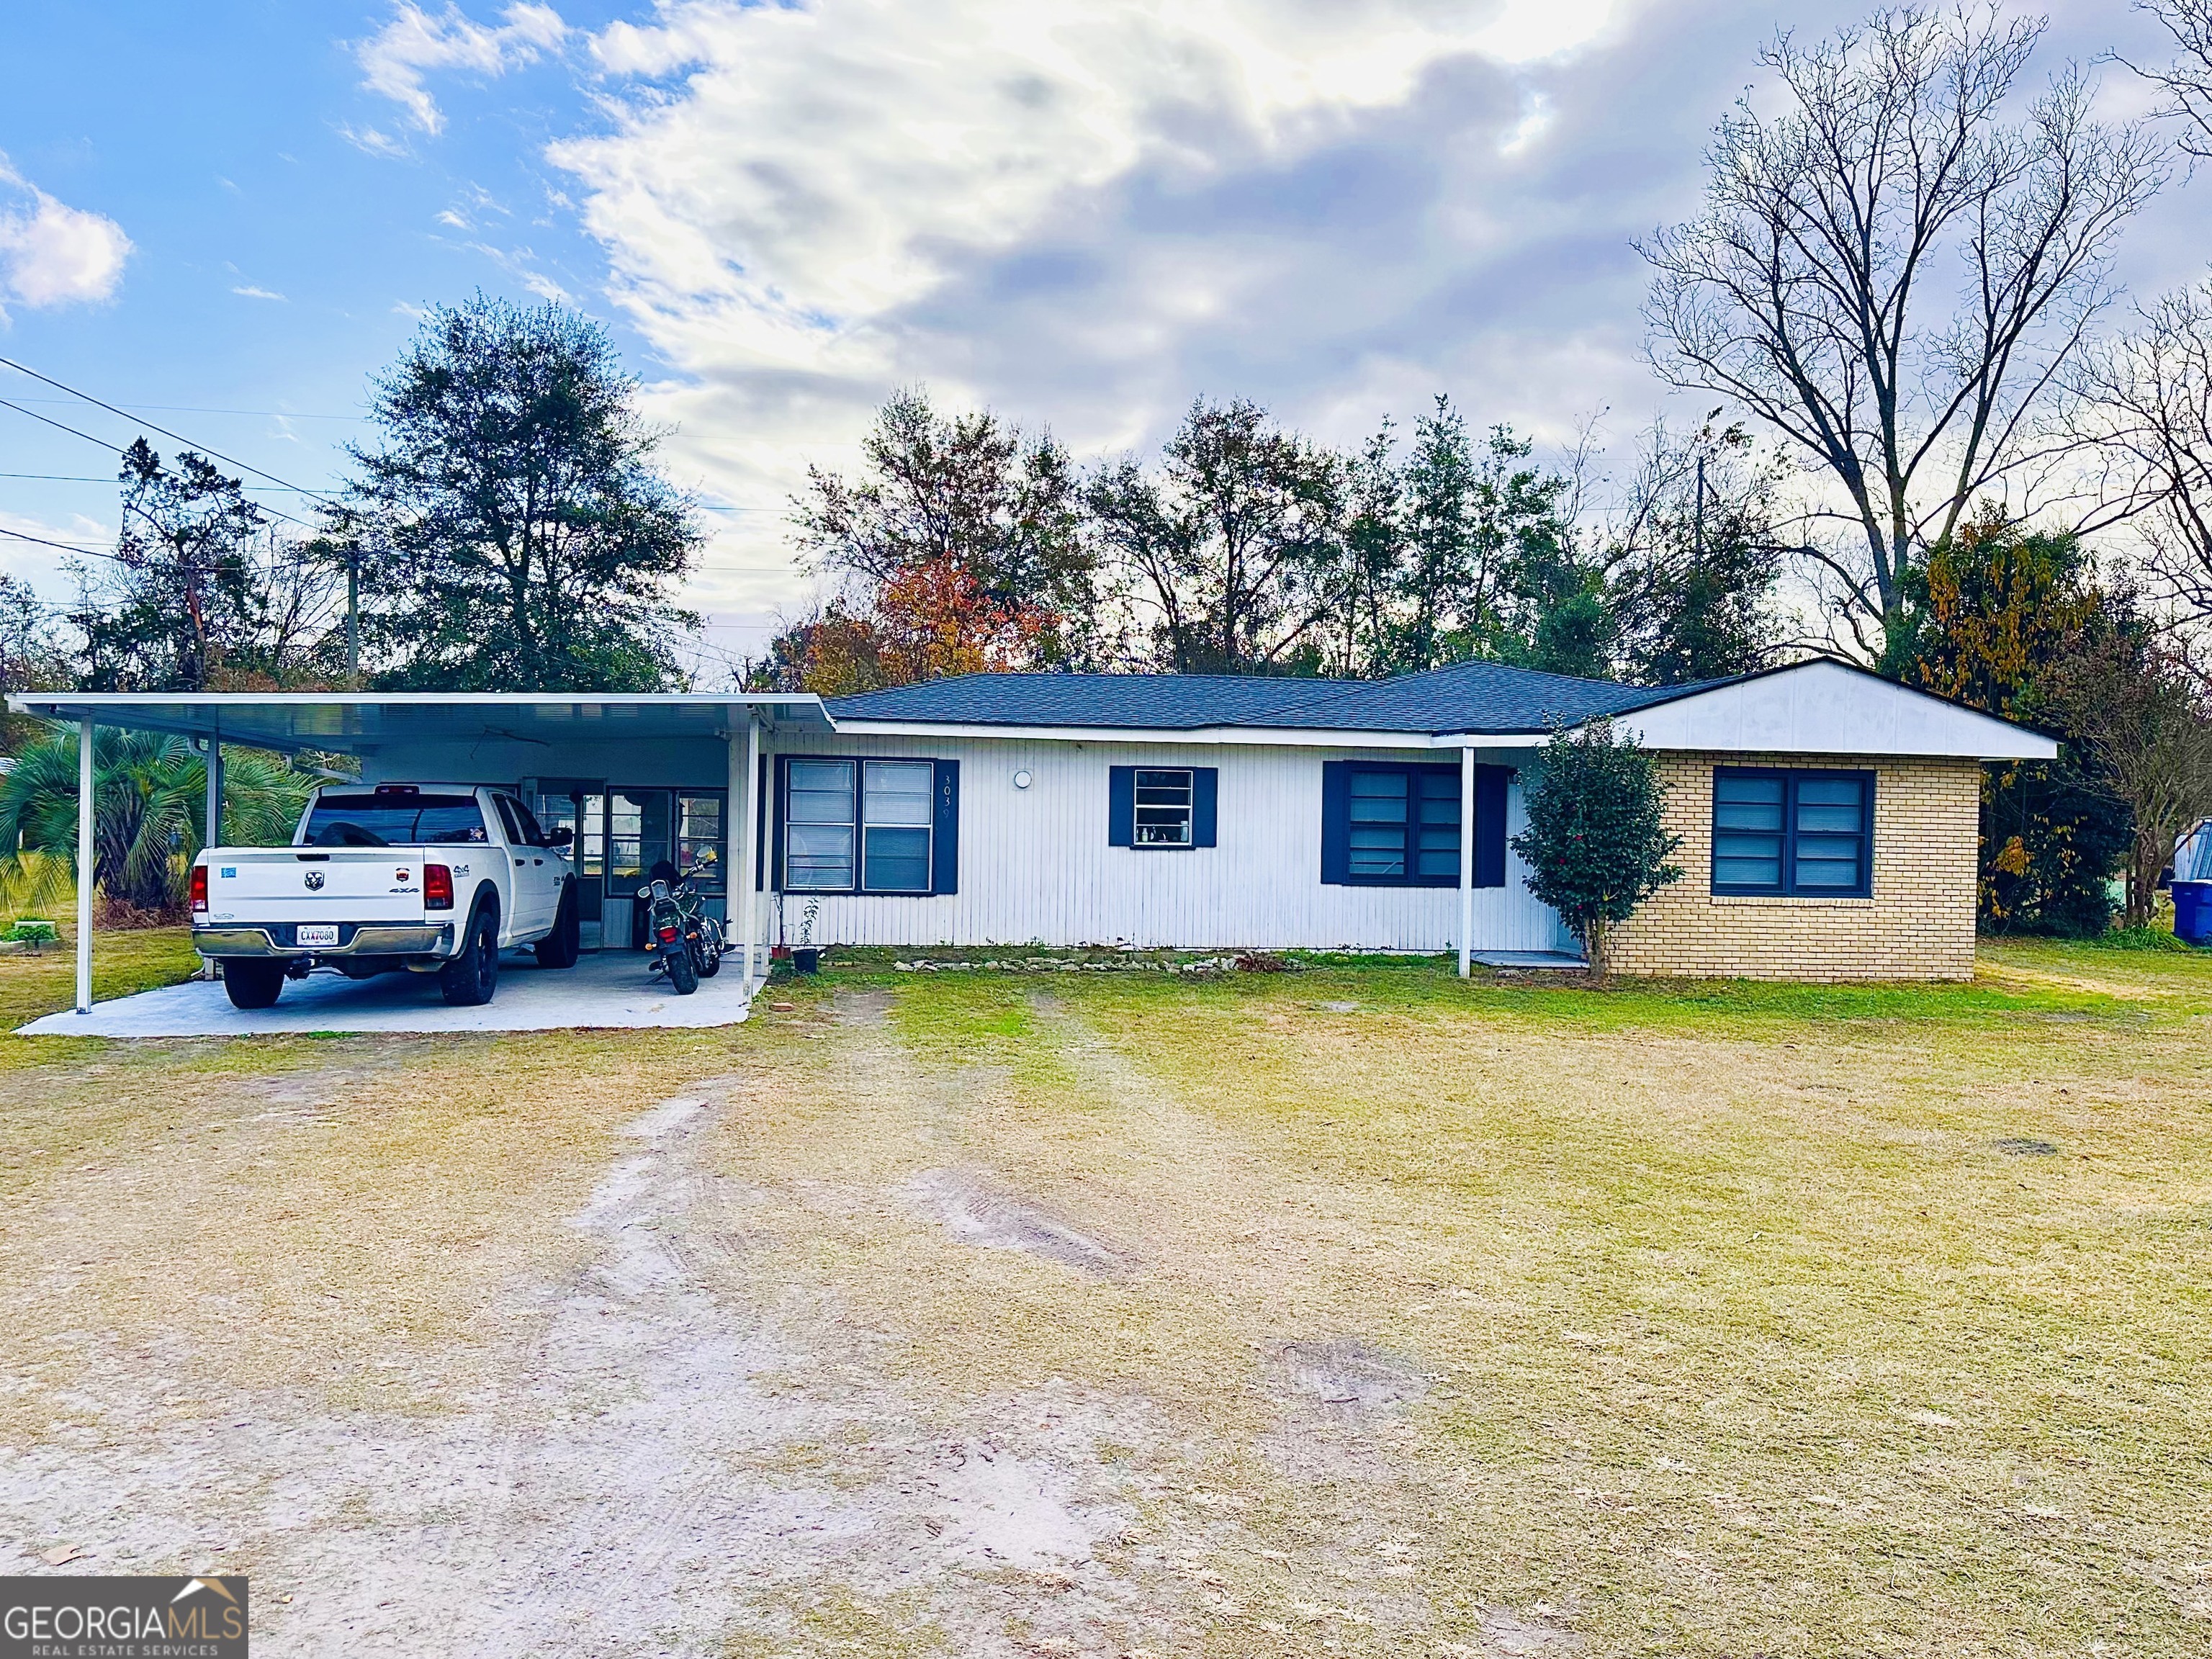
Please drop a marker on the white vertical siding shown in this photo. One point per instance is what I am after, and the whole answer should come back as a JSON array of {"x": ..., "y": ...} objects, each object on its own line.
[{"x": 1036, "y": 866}]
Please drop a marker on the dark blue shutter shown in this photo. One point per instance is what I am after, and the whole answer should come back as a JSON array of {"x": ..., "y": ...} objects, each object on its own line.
[
  {"x": 1121, "y": 807},
  {"x": 1204, "y": 798},
  {"x": 762, "y": 839},
  {"x": 775, "y": 820},
  {"x": 1336, "y": 823},
  {"x": 944, "y": 863},
  {"x": 1490, "y": 784}
]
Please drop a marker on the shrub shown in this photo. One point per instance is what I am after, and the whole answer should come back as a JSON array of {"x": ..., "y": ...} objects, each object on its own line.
[{"x": 1596, "y": 845}]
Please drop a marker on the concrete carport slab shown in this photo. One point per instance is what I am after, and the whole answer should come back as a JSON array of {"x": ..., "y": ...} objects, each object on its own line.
[{"x": 610, "y": 988}]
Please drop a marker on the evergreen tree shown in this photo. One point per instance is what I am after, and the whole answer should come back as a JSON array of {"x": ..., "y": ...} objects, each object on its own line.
[
  {"x": 1998, "y": 610},
  {"x": 518, "y": 535},
  {"x": 1596, "y": 845}
]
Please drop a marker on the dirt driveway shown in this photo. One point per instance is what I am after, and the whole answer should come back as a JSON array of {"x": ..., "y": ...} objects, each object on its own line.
[{"x": 1006, "y": 1319}]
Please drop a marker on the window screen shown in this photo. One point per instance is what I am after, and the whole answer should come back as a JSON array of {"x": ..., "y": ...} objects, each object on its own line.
[
  {"x": 897, "y": 797},
  {"x": 1164, "y": 807},
  {"x": 1830, "y": 854},
  {"x": 818, "y": 820},
  {"x": 1405, "y": 825},
  {"x": 1378, "y": 824},
  {"x": 1748, "y": 839},
  {"x": 1808, "y": 834}
]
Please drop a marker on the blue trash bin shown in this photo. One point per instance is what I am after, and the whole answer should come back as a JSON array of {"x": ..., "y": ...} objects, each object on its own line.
[{"x": 2193, "y": 912}]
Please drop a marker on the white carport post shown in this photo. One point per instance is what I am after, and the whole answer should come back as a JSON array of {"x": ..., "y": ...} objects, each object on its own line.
[
  {"x": 1466, "y": 862},
  {"x": 84, "y": 867},
  {"x": 743, "y": 880},
  {"x": 213, "y": 821}
]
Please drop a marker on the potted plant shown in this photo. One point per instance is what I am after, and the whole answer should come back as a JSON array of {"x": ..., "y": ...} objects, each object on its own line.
[{"x": 805, "y": 957}]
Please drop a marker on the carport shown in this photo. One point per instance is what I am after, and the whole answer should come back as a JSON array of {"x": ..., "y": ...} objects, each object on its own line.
[{"x": 636, "y": 775}]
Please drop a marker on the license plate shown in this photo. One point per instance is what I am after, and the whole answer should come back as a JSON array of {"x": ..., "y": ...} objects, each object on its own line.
[{"x": 313, "y": 934}]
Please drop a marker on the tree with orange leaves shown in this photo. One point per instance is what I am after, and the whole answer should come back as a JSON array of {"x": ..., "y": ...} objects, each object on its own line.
[{"x": 958, "y": 549}]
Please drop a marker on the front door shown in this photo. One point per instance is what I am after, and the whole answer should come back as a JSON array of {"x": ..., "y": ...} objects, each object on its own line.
[{"x": 638, "y": 837}]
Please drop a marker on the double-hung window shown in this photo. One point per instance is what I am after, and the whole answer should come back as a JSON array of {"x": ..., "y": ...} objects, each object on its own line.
[
  {"x": 1163, "y": 809},
  {"x": 1162, "y": 805},
  {"x": 1806, "y": 834},
  {"x": 1391, "y": 825},
  {"x": 867, "y": 826},
  {"x": 818, "y": 820},
  {"x": 895, "y": 799}
]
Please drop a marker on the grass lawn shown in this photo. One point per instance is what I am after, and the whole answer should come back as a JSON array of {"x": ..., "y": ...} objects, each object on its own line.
[{"x": 1347, "y": 1311}]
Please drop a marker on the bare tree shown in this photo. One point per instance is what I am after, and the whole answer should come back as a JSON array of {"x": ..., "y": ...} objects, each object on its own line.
[
  {"x": 2188, "y": 79},
  {"x": 2144, "y": 402},
  {"x": 1892, "y": 271}
]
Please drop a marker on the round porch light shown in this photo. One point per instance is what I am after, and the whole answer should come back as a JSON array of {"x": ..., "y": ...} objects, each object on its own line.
[{"x": 1021, "y": 780}]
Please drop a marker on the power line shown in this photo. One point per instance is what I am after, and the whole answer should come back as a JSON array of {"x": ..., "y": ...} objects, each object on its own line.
[
  {"x": 112, "y": 450},
  {"x": 82, "y": 477},
  {"x": 64, "y": 546},
  {"x": 177, "y": 436},
  {"x": 199, "y": 409}
]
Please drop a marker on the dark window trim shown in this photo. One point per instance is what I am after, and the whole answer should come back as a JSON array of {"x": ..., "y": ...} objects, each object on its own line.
[
  {"x": 943, "y": 837},
  {"x": 1412, "y": 769},
  {"x": 1121, "y": 807},
  {"x": 1791, "y": 776}
]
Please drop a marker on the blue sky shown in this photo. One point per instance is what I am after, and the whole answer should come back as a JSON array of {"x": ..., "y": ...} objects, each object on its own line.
[{"x": 1081, "y": 214}]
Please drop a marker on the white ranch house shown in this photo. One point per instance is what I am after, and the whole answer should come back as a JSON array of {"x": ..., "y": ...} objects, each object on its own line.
[{"x": 1828, "y": 816}]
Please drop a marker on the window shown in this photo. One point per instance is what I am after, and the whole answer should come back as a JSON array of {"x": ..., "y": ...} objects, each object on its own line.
[
  {"x": 1162, "y": 808},
  {"x": 1809, "y": 834},
  {"x": 533, "y": 833},
  {"x": 819, "y": 819},
  {"x": 1393, "y": 825},
  {"x": 394, "y": 818},
  {"x": 637, "y": 834},
  {"x": 867, "y": 826},
  {"x": 1404, "y": 824},
  {"x": 699, "y": 839},
  {"x": 896, "y": 845}
]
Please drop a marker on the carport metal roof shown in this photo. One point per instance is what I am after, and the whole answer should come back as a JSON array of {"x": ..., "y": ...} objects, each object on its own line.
[{"x": 362, "y": 722}]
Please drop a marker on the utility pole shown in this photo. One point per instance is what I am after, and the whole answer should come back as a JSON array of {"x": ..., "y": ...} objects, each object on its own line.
[
  {"x": 353, "y": 618},
  {"x": 1701, "y": 509}
]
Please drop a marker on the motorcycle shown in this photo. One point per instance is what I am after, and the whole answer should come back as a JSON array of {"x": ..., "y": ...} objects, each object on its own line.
[{"x": 684, "y": 942}]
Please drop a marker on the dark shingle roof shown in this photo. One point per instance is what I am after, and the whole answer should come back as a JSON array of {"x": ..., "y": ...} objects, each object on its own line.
[{"x": 1472, "y": 696}]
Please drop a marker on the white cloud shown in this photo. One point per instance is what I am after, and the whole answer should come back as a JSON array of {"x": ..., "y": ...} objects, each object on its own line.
[
  {"x": 53, "y": 254},
  {"x": 803, "y": 205},
  {"x": 250, "y": 292},
  {"x": 395, "y": 61}
]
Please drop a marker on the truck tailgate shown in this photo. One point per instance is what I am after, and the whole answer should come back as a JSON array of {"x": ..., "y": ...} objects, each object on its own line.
[{"x": 298, "y": 883}]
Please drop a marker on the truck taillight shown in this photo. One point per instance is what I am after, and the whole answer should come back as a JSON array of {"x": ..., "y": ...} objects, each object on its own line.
[
  {"x": 199, "y": 887},
  {"x": 437, "y": 887}
]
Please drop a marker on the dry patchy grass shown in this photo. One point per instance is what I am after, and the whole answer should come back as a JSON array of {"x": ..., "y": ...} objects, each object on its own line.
[{"x": 1388, "y": 1315}]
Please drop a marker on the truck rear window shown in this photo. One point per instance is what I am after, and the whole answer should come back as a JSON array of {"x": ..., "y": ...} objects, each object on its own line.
[{"x": 394, "y": 821}]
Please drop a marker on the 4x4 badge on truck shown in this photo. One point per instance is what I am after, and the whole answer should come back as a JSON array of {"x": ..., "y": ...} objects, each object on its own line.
[{"x": 314, "y": 880}]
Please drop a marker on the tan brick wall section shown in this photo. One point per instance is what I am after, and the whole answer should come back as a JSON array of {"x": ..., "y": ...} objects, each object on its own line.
[{"x": 1918, "y": 924}]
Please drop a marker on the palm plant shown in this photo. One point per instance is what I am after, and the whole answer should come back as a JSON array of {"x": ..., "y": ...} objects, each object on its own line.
[{"x": 147, "y": 790}]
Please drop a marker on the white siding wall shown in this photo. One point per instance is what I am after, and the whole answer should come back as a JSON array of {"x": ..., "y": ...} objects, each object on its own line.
[{"x": 1035, "y": 868}]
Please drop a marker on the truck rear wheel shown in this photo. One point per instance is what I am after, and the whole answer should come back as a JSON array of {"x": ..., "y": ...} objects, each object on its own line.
[
  {"x": 560, "y": 948},
  {"x": 252, "y": 982},
  {"x": 468, "y": 980}
]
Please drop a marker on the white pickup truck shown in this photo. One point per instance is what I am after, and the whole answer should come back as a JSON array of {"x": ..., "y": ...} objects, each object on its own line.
[{"x": 419, "y": 877}]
